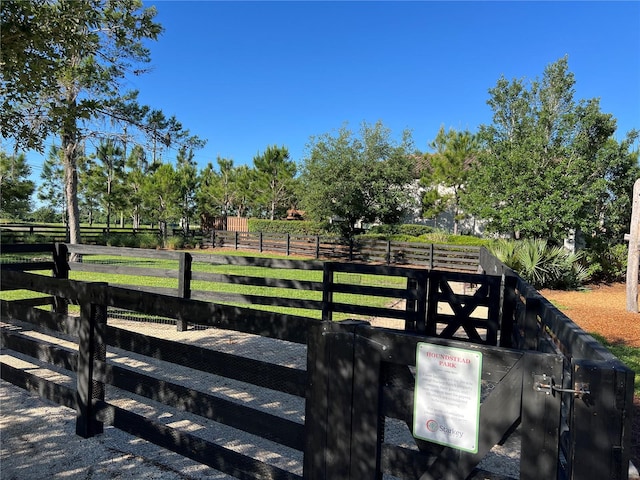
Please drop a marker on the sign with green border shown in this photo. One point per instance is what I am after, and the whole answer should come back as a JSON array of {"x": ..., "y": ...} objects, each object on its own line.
[{"x": 447, "y": 396}]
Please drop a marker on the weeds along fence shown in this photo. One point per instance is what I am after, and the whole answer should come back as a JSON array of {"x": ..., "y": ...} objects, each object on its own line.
[{"x": 341, "y": 393}]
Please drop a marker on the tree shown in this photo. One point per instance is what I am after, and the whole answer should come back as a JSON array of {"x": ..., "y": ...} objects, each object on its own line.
[
  {"x": 244, "y": 197},
  {"x": 95, "y": 44},
  {"x": 51, "y": 189},
  {"x": 162, "y": 196},
  {"x": 137, "y": 168},
  {"x": 187, "y": 177},
  {"x": 448, "y": 167},
  {"x": 15, "y": 187},
  {"x": 106, "y": 176},
  {"x": 274, "y": 178},
  {"x": 215, "y": 195},
  {"x": 363, "y": 178},
  {"x": 544, "y": 166}
]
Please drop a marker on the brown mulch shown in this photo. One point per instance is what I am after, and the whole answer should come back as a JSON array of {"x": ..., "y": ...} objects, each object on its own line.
[{"x": 602, "y": 309}]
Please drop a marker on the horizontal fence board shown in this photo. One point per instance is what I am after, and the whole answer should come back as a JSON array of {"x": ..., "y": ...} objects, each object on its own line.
[
  {"x": 18, "y": 310},
  {"x": 45, "y": 352},
  {"x": 189, "y": 445},
  {"x": 256, "y": 300},
  {"x": 257, "y": 262},
  {"x": 122, "y": 251},
  {"x": 28, "y": 248},
  {"x": 368, "y": 311},
  {"x": 257, "y": 281},
  {"x": 123, "y": 270},
  {"x": 28, "y": 266},
  {"x": 367, "y": 290},
  {"x": 263, "y": 374},
  {"x": 258, "y": 322},
  {"x": 54, "y": 392},
  {"x": 247, "y": 419}
]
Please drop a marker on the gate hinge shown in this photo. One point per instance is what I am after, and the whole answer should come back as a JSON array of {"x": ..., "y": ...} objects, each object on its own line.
[{"x": 546, "y": 384}]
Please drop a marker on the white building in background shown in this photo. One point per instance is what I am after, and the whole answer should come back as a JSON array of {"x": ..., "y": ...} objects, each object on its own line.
[{"x": 445, "y": 220}]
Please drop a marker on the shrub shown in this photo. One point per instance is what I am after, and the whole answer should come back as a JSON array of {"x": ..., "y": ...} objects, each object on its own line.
[
  {"x": 176, "y": 242},
  {"x": 607, "y": 263},
  {"x": 292, "y": 227},
  {"x": 415, "y": 230},
  {"x": 540, "y": 264},
  {"x": 148, "y": 240}
]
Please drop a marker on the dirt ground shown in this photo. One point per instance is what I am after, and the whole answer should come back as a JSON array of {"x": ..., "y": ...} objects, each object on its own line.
[{"x": 602, "y": 309}]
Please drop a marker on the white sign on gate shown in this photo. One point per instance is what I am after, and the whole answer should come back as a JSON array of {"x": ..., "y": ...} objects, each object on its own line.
[{"x": 447, "y": 396}]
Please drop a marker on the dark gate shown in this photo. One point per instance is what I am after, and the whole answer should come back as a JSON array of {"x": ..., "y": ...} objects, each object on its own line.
[{"x": 364, "y": 377}]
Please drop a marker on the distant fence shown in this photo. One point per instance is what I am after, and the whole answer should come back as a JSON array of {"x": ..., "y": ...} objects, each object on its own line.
[
  {"x": 454, "y": 257},
  {"x": 30, "y": 233}
]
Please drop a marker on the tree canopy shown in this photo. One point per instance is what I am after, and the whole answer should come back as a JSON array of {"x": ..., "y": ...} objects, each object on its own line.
[
  {"x": 548, "y": 164},
  {"x": 349, "y": 178},
  {"x": 446, "y": 173},
  {"x": 15, "y": 187}
]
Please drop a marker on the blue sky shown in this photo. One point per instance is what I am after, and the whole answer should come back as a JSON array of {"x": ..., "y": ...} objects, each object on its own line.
[{"x": 245, "y": 75}]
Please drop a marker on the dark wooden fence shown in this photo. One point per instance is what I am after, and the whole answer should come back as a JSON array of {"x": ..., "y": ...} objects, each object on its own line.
[
  {"x": 30, "y": 233},
  {"x": 587, "y": 418},
  {"x": 458, "y": 258},
  {"x": 570, "y": 396}
]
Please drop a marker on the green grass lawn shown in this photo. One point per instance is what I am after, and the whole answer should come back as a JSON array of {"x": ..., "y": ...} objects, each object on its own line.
[
  {"x": 630, "y": 356},
  {"x": 237, "y": 270}
]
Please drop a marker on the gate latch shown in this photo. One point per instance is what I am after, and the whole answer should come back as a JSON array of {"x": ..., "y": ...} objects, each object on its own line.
[{"x": 546, "y": 384}]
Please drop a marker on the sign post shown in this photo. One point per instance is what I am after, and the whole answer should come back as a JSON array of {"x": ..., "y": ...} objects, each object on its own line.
[{"x": 447, "y": 396}]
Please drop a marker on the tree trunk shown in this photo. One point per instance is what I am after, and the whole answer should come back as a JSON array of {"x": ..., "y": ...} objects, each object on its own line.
[
  {"x": 633, "y": 258},
  {"x": 70, "y": 155}
]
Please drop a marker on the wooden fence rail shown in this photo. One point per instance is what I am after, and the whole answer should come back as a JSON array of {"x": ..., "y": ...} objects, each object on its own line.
[{"x": 576, "y": 396}]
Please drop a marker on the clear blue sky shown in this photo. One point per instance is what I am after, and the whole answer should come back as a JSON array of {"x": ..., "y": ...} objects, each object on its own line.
[{"x": 245, "y": 75}]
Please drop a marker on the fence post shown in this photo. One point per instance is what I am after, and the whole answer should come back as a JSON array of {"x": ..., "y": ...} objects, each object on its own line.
[
  {"x": 184, "y": 285},
  {"x": 507, "y": 316},
  {"x": 327, "y": 291},
  {"x": 388, "y": 254},
  {"x": 416, "y": 306},
  {"x": 260, "y": 242},
  {"x": 61, "y": 271},
  {"x": 329, "y": 405},
  {"x": 317, "y": 247},
  {"x": 431, "y": 252},
  {"x": 92, "y": 350},
  {"x": 236, "y": 239},
  {"x": 288, "y": 243}
]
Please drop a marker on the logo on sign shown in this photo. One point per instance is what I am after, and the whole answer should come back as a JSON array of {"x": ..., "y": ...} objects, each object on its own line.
[{"x": 432, "y": 425}]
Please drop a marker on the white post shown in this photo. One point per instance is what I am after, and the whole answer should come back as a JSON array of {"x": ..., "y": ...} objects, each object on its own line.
[{"x": 633, "y": 260}]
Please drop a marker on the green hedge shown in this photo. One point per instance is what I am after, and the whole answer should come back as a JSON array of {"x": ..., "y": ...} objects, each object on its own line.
[{"x": 292, "y": 227}]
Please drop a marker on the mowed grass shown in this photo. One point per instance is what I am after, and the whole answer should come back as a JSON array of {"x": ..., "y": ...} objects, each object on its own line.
[{"x": 233, "y": 288}]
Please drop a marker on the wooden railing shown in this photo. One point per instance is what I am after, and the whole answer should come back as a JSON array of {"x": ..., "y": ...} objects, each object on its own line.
[{"x": 578, "y": 418}]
